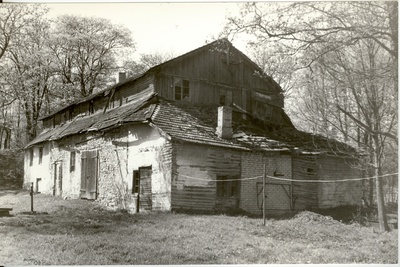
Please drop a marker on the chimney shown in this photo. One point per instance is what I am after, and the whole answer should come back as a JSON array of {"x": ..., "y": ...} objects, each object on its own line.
[
  {"x": 224, "y": 128},
  {"x": 121, "y": 77}
]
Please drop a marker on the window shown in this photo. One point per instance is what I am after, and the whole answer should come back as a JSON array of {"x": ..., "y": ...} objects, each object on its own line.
[
  {"x": 70, "y": 114},
  {"x": 226, "y": 186},
  {"x": 225, "y": 97},
  {"x": 72, "y": 159},
  {"x": 91, "y": 108},
  {"x": 31, "y": 157},
  {"x": 38, "y": 183},
  {"x": 135, "y": 182},
  {"x": 181, "y": 89},
  {"x": 222, "y": 99},
  {"x": 310, "y": 171},
  {"x": 40, "y": 155}
]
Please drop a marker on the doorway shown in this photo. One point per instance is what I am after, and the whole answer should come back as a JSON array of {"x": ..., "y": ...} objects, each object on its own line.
[{"x": 89, "y": 171}]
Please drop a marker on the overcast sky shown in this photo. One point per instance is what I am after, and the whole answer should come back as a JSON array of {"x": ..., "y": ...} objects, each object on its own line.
[{"x": 160, "y": 27}]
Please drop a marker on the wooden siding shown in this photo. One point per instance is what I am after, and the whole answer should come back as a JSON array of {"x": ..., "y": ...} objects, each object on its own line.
[
  {"x": 339, "y": 193},
  {"x": 126, "y": 91},
  {"x": 305, "y": 194},
  {"x": 211, "y": 72},
  {"x": 196, "y": 168}
]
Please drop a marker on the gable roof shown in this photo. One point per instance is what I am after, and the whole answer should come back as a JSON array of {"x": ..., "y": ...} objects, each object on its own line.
[{"x": 107, "y": 91}]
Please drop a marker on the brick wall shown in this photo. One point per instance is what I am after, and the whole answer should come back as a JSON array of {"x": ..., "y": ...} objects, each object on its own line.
[{"x": 277, "y": 192}]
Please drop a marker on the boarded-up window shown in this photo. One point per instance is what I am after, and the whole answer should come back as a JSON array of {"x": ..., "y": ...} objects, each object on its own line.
[
  {"x": 227, "y": 186},
  {"x": 72, "y": 159},
  {"x": 135, "y": 182}
]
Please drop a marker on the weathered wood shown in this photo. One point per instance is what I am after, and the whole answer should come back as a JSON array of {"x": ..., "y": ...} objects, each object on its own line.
[{"x": 5, "y": 211}]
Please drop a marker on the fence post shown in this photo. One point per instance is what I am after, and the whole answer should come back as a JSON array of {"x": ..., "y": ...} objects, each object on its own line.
[
  {"x": 264, "y": 178},
  {"x": 32, "y": 197}
]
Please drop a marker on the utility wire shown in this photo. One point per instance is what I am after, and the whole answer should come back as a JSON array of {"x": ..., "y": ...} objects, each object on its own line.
[
  {"x": 287, "y": 179},
  {"x": 227, "y": 180},
  {"x": 330, "y": 181}
]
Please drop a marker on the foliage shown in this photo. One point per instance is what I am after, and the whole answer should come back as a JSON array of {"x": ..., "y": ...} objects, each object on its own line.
[
  {"x": 145, "y": 62},
  {"x": 86, "y": 50},
  {"x": 47, "y": 64},
  {"x": 11, "y": 173},
  {"x": 29, "y": 69}
]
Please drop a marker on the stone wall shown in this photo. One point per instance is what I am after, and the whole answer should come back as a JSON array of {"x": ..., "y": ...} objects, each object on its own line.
[{"x": 120, "y": 152}]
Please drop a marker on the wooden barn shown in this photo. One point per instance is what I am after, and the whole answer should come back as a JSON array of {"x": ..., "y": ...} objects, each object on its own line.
[{"x": 191, "y": 134}]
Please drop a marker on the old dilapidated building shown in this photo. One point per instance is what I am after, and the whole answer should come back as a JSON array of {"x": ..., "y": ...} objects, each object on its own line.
[{"x": 193, "y": 133}]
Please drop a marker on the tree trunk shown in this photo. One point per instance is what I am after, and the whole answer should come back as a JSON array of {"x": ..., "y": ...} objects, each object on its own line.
[{"x": 383, "y": 225}]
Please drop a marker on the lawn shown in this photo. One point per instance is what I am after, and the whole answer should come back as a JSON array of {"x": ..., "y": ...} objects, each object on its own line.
[{"x": 79, "y": 232}]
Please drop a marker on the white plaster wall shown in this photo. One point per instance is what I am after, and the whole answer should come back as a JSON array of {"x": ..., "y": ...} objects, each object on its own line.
[{"x": 42, "y": 171}]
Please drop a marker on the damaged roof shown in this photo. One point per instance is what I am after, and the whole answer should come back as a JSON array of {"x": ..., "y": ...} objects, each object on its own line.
[
  {"x": 137, "y": 110},
  {"x": 186, "y": 122}
]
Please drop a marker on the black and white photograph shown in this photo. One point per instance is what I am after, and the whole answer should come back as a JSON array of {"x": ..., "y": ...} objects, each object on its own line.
[{"x": 198, "y": 133}]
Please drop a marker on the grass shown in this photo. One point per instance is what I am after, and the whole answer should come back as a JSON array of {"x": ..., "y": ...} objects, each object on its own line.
[{"x": 78, "y": 232}]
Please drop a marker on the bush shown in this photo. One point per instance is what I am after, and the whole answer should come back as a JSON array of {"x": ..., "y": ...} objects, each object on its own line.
[{"x": 11, "y": 172}]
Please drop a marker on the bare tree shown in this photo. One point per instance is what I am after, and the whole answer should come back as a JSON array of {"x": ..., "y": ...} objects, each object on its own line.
[
  {"x": 145, "y": 62},
  {"x": 29, "y": 68},
  {"x": 86, "y": 50},
  {"x": 13, "y": 19},
  {"x": 346, "y": 56}
]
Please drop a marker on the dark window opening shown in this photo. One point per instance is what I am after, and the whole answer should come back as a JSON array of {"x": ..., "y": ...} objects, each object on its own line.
[
  {"x": 310, "y": 171},
  {"x": 182, "y": 89},
  {"x": 222, "y": 100},
  {"x": 178, "y": 93},
  {"x": 70, "y": 114},
  {"x": 72, "y": 160},
  {"x": 185, "y": 86},
  {"x": 226, "y": 186},
  {"x": 31, "y": 157},
  {"x": 91, "y": 108},
  {"x": 135, "y": 182},
  {"x": 40, "y": 155}
]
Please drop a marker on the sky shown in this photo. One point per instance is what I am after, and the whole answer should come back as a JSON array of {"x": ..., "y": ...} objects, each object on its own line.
[{"x": 173, "y": 28}]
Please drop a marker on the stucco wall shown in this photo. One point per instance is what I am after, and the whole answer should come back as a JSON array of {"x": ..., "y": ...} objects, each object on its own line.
[{"x": 37, "y": 170}]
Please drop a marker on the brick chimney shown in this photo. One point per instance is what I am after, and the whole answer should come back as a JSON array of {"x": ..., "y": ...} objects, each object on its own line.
[
  {"x": 121, "y": 77},
  {"x": 224, "y": 128}
]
